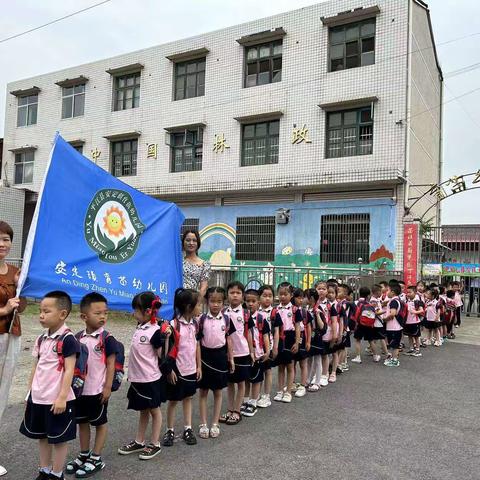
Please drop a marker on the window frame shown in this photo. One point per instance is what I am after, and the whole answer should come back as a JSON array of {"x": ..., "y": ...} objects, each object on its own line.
[
  {"x": 75, "y": 97},
  {"x": 117, "y": 89},
  {"x": 359, "y": 40},
  {"x": 255, "y": 138},
  {"x": 28, "y": 107},
  {"x": 185, "y": 75},
  {"x": 355, "y": 227},
  {"x": 195, "y": 145},
  {"x": 190, "y": 224},
  {"x": 270, "y": 58},
  {"x": 22, "y": 155},
  {"x": 123, "y": 153},
  {"x": 259, "y": 254},
  {"x": 342, "y": 127}
]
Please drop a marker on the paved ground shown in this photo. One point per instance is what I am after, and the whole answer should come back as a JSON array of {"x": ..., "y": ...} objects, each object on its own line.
[{"x": 420, "y": 421}]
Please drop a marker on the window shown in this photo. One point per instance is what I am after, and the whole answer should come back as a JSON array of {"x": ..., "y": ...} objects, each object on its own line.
[
  {"x": 255, "y": 240},
  {"x": 73, "y": 101},
  {"x": 186, "y": 150},
  {"x": 190, "y": 224},
  {"x": 352, "y": 45},
  {"x": 260, "y": 143},
  {"x": 127, "y": 91},
  {"x": 27, "y": 110},
  {"x": 263, "y": 64},
  {"x": 345, "y": 238},
  {"x": 124, "y": 155},
  {"x": 190, "y": 79},
  {"x": 78, "y": 148},
  {"x": 350, "y": 132},
  {"x": 24, "y": 167}
]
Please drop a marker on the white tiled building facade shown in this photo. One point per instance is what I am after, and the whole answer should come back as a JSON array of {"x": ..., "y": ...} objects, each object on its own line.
[{"x": 394, "y": 78}]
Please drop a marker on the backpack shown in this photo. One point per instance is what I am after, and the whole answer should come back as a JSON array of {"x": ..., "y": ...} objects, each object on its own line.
[
  {"x": 402, "y": 313},
  {"x": 274, "y": 314},
  {"x": 173, "y": 351},
  {"x": 259, "y": 324},
  {"x": 119, "y": 357},
  {"x": 81, "y": 362},
  {"x": 365, "y": 314}
]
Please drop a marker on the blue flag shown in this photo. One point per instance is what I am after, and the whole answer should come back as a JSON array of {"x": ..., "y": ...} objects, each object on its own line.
[{"x": 93, "y": 233}]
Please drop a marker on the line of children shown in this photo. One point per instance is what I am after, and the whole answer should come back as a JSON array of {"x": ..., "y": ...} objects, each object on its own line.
[{"x": 233, "y": 347}]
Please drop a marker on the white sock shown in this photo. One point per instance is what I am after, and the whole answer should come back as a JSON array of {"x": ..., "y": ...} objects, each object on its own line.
[
  {"x": 56, "y": 474},
  {"x": 46, "y": 470}
]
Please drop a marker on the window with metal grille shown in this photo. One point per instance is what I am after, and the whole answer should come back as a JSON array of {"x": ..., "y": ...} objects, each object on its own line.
[
  {"x": 345, "y": 238},
  {"x": 263, "y": 64},
  {"x": 190, "y": 224},
  {"x": 190, "y": 79},
  {"x": 186, "y": 150},
  {"x": 126, "y": 91},
  {"x": 260, "y": 143},
  {"x": 349, "y": 133},
  {"x": 27, "y": 110},
  {"x": 124, "y": 158},
  {"x": 78, "y": 148},
  {"x": 73, "y": 101},
  {"x": 352, "y": 45},
  {"x": 255, "y": 240},
  {"x": 24, "y": 167}
]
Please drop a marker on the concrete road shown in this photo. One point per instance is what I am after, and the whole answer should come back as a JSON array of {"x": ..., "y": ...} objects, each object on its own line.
[{"x": 419, "y": 421}]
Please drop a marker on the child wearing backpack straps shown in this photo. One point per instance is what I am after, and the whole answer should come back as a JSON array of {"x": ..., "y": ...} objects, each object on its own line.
[
  {"x": 214, "y": 331},
  {"x": 186, "y": 366},
  {"x": 260, "y": 331},
  {"x": 91, "y": 406},
  {"x": 147, "y": 391},
  {"x": 50, "y": 410},
  {"x": 242, "y": 352},
  {"x": 411, "y": 328},
  {"x": 394, "y": 321}
]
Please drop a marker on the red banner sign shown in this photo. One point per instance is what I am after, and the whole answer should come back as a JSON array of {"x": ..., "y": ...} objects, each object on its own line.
[{"x": 410, "y": 253}]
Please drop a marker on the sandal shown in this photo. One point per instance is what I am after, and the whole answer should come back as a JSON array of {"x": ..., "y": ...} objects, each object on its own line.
[
  {"x": 89, "y": 468},
  {"x": 224, "y": 418},
  {"x": 235, "y": 418},
  {"x": 214, "y": 431},
  {"x": 203, "y": 431},
  {"x": 76, "y": 464}
]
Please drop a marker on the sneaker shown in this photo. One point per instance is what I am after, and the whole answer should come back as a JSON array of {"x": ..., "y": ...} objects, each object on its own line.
[
  {"x": 357, "y": 359},
  {"x": 332, "y": 378},
  {"x": 243, "y": 406},
  {"x": 132, "y": 447},
  {"x": 278, "y": 397},
  {"x": 456, "y": 326},
  {"x": 377, "y": 358},
  {"x": 168, "y": 438},
  {"x": 295, "y": 387},
  {"x": 214, "y": 430},
  {"x": 417, "y": 353},
  {"x": 3, "y": 471},
  {"x": 313, "y": 387},
  {"x": 287, "y": 397},
  {"x": 203, "y": 431},
  {"x": 388, "y": 359},
  {"x": 339, "y": 370},
  {"x": 250, "y": 410},
  {"x": 392, "y": 363},
  {"x": 344, "y": 367},
  {"x": 369, "y": 351},
  {"x": 437, "y": 344},
  {"x": 150, "y": 451},
  {"x": 323, "y": 381},
  {"x": 428, "y": 343},
  {"x": 301, "y": 391},
  {"x": 41, "y": 475},
  {"x": 410, "y": 352},
  {"x": 189, "y": 437},
  {"x": 54, "y": 477},
  {"x": 264, "y": 401}
]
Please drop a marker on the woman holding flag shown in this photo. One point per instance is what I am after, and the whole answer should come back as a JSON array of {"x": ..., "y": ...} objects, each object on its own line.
[{"x": 10, "y": 305}]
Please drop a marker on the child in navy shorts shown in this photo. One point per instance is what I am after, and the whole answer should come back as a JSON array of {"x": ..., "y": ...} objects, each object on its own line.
[
  {"x": 50, "y": 410},
  {"x": 91, "y": 406}
]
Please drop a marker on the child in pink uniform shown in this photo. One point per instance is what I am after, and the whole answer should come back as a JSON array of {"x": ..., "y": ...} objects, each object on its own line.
[
  {"x": 432, "y": 317},
  {"x": 456, "y": 287},
  {"x": 91, "y": 406},
  {"x": 146, "y": 392},
  {"x": 394, "y": 329},
  {"x": 214, "y": 333},
  {"x": 187, "y": 366},
  {"x": 412, "y": 325},
  {"x": 50, "y": 410}
]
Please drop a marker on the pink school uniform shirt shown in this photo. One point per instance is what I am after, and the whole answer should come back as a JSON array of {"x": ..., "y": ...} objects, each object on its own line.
[
  {"x": 412, "y": 318},
  {"x": 187, "y": 346},
  {"x": 458, "y": 299},
  {"x": 393, "y": 325},
  {"x": 431, "y": 310},
  {"x": 214, "y": 331},
  {"x": 239, "y": 342},
  {"x": 143, "y": 358},
  {"x": 47, "y": 380},
  {"x": 256, "y": 333}
]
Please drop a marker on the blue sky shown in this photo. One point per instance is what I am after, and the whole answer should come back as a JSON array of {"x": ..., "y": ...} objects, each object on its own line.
[{"x": 122, "y": 25}]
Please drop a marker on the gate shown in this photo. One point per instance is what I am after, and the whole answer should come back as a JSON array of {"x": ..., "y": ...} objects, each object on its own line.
[{"x": 452, "y": 252}]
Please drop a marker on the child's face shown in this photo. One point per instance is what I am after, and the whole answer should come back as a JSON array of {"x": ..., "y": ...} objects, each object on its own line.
[
  {"x": 298, "y": 301},
  {"x": 95, "y": 316},
  {"x": 51, "y": 316},
  {"x": 385, "y": 288},
  {"x": 420, "y": 287},
  {"x": 411, "y": 294},
  {"x": 390, "y": 293},
  {"x": 215, "y": 303},
  {"x": 428, "y": 295},
  {"x": 5, "y": 245},
  {"x": 342, "y": 293},
  {"x": 321, "y": 288},
  {"x": 311, "y": 301},
  {"x": 266, "y": 298},
  {"x": 331, "y": 294},
  {"x": 456, "y": 288},
  {"x": 284, "y": 295},
  {"x": 139, "y": 316},
  {"x": 252, "y": 302},
  {"x": 235, "y": 297}
]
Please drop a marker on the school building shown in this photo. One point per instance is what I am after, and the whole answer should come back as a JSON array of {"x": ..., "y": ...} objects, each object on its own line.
[{"x": 293, "y": 140}]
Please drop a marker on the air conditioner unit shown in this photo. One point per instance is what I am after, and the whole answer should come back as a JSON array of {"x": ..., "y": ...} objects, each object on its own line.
[{"x": 282, "y": 216}]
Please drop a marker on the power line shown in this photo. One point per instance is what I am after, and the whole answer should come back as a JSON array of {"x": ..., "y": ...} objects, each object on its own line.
[
  {"x": 461, "y": 71},
  {"x": 53, "y": 21}
]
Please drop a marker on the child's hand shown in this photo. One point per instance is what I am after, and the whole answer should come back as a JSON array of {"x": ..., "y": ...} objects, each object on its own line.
[
  {"x": 252, "y": 357},
  {"x": 172, "y": 378},
  {"x": 199, "y": 374},
  {"x": 232, "y": 365},
  {"x": 264, "y": 358},
  {"x": 294, "y": 348},
  {"x": 274, "y": 353},
  {"x": 59, "y": 406},
  {"x": 307, "y": 346},
  {"x": 105, "y": 395}
]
